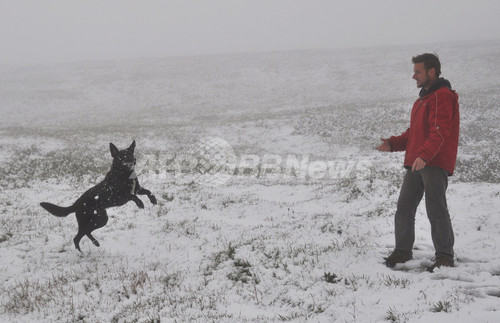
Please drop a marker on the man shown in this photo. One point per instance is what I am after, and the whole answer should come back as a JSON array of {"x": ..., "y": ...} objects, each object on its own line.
[{"x": 431, "y": 145}]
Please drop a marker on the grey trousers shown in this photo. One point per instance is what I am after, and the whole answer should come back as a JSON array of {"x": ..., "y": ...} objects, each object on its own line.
[{"x": 433, "y": 182}]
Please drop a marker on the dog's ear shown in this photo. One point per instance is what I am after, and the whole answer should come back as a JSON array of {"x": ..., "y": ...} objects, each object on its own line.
[
  {"x": 113, "y": 149},
  {"x": 132, "y": 146}
]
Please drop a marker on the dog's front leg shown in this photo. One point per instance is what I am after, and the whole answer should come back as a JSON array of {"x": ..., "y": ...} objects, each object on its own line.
[
  {"x": 137, "y": 201},
  {"x": 143, "y": 191}
]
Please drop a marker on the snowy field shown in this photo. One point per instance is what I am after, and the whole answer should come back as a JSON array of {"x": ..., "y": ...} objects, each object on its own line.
[{"x": 300, "y": 229}]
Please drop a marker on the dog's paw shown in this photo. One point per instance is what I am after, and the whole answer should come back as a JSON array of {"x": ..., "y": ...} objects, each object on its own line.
[
  {"x": 153, "y": 200},
  {"x": 96, "y": 243},
  {"x": 140, "y": 204}
]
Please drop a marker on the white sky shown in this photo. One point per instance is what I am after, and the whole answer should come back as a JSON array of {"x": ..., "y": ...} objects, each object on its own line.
[{"x": 68, "y": 30}]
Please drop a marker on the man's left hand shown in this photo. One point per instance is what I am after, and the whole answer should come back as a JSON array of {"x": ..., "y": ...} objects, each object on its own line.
[{"x": 418, "y": 164}]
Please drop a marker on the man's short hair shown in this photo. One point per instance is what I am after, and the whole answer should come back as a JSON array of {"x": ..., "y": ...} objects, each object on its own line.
[{"x": 430, "y": 61}]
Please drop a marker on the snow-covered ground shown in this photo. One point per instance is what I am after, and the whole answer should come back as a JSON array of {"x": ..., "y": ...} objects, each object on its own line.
[{"x": 300, "y": 229}]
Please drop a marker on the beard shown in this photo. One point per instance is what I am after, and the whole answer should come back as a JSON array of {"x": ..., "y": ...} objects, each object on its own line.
[{"x": 426, "y": 81}]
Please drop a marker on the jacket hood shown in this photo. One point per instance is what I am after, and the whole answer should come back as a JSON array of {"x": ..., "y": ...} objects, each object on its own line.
[{"x": 439, "y": 83}]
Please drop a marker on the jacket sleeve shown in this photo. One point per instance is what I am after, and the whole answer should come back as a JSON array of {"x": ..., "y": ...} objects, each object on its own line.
[
  {"x": 440, "y": 120},
  {"x": 398, "y": 143}
]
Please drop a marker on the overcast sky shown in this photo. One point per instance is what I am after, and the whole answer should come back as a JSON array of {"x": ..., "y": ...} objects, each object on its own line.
[{"x": 34, "y": 31}]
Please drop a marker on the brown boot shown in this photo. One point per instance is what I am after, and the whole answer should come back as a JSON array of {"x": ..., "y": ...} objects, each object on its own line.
[
  {"x": 397, "y": 257},
  {"x": 441, "y": 261}
]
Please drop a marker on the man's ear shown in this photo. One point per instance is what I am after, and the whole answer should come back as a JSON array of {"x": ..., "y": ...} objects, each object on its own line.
[
  {"x": 432, "y": 72},
  {"x": 132, "y": 146},
  {"x": 113, "y": 149}
]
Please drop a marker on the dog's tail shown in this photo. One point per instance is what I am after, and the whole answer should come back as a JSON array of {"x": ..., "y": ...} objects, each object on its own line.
[{"x": 57, "y": 210}]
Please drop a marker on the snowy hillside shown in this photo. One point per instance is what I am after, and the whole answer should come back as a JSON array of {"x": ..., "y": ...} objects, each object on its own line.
[{"x": 297, "y": 230}]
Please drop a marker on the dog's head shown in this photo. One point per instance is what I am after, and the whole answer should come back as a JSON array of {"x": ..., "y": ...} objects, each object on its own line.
[{"x": 123, "y": 159}]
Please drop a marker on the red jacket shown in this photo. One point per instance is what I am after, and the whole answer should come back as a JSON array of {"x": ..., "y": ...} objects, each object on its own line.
[{"x": 434, "y": 128}]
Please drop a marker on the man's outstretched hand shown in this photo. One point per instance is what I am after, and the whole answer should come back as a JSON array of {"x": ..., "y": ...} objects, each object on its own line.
[
  {"x": 384, "y": 146},
  {"x": 418, "y": 164}
]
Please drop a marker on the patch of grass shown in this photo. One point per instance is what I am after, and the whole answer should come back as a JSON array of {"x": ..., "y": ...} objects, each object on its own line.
[
  {"x": 77, "y": 164},
  {"x": 395, "y": 281},
  {"x": 441, "y": 306},
  {"x": 135, "y": 282},
  {"x": 291, "y": 317},
  {"x": 354, "y": 282},
  {"x": 228, "y": 201},
  {"x": 331, "y": 278},
  {"x": 242, "y": 272},
  {"x": 220, "y": 257},
  {"x": 172, "y": 280},
  {"x": 453, "y": 300},
  {"x": 395, "y": 316},
  {"x": 5, "y": 236},
  {"x": 483, "y": 167},
  {"x": 34, "y": 295}
]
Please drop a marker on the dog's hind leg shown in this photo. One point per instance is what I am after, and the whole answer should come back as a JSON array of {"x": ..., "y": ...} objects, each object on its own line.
[
  {"x": 98, "y": 220},
  {"x": 76, "y": 241},
  {"x": 88, "y": 221},
  {"x": 82, "y": 228}
]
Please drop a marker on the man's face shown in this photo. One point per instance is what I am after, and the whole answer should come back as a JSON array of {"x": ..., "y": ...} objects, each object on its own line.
[{"x": 424, "y": 77}]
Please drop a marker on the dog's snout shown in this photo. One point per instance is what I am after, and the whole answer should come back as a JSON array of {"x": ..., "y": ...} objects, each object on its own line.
[{"x": 129, "y": 164}]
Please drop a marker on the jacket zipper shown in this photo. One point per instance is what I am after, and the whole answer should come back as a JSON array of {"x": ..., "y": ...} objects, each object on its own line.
[{"x": 416, "y": 112}]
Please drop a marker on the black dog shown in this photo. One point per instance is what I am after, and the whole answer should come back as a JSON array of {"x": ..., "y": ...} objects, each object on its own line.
[{"x": 118, "y": 187}]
